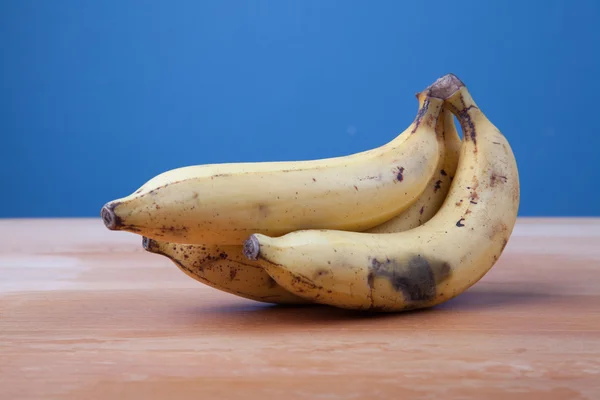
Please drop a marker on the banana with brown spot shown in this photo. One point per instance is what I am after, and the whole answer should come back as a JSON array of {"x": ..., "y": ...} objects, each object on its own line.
[
  {"x": 423, "y": 266},
  {"x": 225, "y": 267},
  {"x": 225, "y": 203}
]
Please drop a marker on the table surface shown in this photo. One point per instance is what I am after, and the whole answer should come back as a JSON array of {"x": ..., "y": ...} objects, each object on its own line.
[{"x": 86, "y": 313}]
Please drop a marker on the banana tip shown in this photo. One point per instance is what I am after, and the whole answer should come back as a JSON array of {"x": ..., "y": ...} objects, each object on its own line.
[
  {"x": 148, "y": 244},
  {"x": 251, "y": 248},
  {"x": 110, "y": 219}
]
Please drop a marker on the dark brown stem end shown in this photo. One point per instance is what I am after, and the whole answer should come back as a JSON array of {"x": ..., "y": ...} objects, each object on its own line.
[
  {"x": 251, "y": 248},
  {"x": 110, "y": 219},
  {"x": 445, "y": 87},
  {"x": 150, "y": 245}
]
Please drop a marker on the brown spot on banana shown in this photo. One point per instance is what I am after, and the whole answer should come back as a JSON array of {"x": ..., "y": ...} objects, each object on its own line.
[
  {"x": 371, "y": 281},
  {"x": 420, "y": 115},
  {"x": 495, "y": 179},
  {"x": 416, "y": 278},
  {"x": 399, "y": 172},
  {"x": 232, "y": 274},
  {"x": 303, "y": 280},
  {"x": 172, "y": 228},
  {"x": 320, "y": 273},
  {"x": 431, "y": 120},
  {"x": 473, "y": 197}
]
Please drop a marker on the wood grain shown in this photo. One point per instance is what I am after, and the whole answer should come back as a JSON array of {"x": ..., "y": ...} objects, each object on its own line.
[{"x": 85, "y": 313}]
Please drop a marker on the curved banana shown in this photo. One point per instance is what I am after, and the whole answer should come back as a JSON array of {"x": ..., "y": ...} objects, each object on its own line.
[
  {"x": 430, "y": 201},
  {"x": 421, "y": 267},
  {"x": 224, "y": 203},
  {"x": 224, "y": 268}
]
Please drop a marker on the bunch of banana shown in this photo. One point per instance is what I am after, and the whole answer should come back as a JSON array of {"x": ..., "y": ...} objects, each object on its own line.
[{"x": 406, "y": 225}]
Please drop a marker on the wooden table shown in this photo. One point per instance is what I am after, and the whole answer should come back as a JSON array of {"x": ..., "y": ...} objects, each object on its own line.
[{"x": 85, "y": 313}]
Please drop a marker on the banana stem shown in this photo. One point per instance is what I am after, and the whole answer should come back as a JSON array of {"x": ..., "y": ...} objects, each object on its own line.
[{"x": 445, "y": 87}]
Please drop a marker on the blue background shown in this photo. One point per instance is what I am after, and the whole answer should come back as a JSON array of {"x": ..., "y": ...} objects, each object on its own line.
[{"x": 98, "y": 97}]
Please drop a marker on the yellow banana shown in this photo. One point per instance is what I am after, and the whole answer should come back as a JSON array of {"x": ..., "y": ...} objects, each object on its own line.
[
  {"x": 224, "y": 203},
  {"x": 432, "y": 198},
  {"x": 423, "y": 266},
  {"x": 224, "y": 268}
]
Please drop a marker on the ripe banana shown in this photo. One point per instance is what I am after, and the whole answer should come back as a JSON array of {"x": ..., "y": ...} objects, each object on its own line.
[
  {"x": 423, "y": 266},
  {"x": 224, "y": 203},
  {"x": 434, "y": 195},
  {"x": 224, "y": 268}
]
